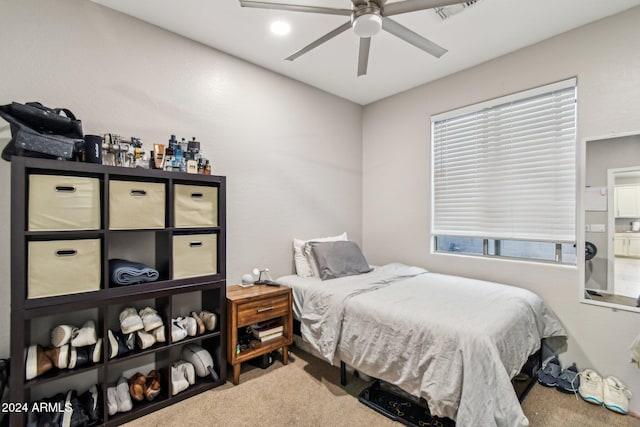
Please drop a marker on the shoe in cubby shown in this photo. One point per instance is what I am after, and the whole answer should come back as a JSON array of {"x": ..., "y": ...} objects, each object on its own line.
[
  {"x": 62, "y": 334},
  {"x": 209, "y": 320},
  {"x": 178, "y": 333},
  {"x": 37, "y": 362},
  {"x": 150, "y": 319},
  {"x": 130, "y": 321},
  {"x": 85, "y": 336}
]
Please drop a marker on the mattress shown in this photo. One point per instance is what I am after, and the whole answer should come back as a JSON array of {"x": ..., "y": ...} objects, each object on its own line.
[{"x": 454, "y": 341}]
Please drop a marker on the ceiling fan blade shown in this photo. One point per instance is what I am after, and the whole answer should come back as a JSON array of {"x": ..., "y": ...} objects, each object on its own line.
[
  {"x": 363, "y": 56},
  {"x": 415, "y": 5},
  {"x": 411, "y": 37},
  {"x": 295, "y": 7},
  {"x": 341, "y": 29}
]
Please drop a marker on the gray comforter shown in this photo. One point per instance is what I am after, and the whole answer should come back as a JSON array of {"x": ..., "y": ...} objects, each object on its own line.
[{"x": 457, "y": 342}]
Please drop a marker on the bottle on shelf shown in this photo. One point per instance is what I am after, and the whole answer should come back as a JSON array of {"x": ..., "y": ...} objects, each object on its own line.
[{"x": 207, "y": 168}]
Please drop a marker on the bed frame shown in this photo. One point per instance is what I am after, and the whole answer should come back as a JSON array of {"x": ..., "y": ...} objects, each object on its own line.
[{"x": 522, "y": 386}]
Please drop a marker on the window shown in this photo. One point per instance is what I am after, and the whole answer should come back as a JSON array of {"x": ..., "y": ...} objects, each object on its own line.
[{"x": 504, "y": 176}]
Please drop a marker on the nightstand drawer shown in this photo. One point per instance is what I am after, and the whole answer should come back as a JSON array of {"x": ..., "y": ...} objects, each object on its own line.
[{"x": 262, "y": 309}]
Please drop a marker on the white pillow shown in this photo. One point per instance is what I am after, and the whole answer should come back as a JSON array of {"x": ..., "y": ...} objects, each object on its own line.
[{"x": 305, "y": 261}]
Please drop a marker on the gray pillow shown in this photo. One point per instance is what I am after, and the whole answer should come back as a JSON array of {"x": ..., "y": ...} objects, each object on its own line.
[{"x": 339, "y": 259}]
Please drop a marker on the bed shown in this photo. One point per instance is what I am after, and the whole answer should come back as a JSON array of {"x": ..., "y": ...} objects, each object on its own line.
[{"x": 454, "y": 341}]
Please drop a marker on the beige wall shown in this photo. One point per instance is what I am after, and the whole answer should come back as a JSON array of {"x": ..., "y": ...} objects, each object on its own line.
[
  {"x": 289, "y": 173},
  {"x": 396, "y": 173}
]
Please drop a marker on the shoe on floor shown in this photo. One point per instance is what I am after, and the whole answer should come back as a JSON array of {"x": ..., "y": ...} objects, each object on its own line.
[
  {"x": 130, "y": 321},
  {"x": 62, "y": 334},
  {"x": 548, "y": 375},
  {"x": 616, "y": 395},
  {"x": 591, "y": 387},
  {"x": 568, "y": 380},
  {"x": 150, "y": 319},
  {"x": 86, "y": 335},
  {"x": 178, "y": 381},
  {"x": 209, "y": 320},
  {"x": 37, "y": 362}
]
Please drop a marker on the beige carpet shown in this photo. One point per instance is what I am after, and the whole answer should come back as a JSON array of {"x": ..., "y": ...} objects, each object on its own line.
[{"x": 307, "y": 392}]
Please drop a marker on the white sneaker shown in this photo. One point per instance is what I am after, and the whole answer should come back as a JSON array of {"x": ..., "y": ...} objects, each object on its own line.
[
  {"x": 591, "y": 387},
  {"x": 616, "y": 395},
  {"x": 145, "y": 340},
  {"x": 112, "y": 400},
  {"x": 158, "y": 334},
  {"x": 188, "y": 324},
  {"x": 122, "y": 395},
  {"x": 187, "y": 370},
  {"x": 86, "y": 335},
  {"x": 209, "y": 319},
  {"x": 130, "y": 321},
  {"x": 178, "y": 333},
  {"x": 62, "y": 334},
  {"x": 178, "y": 381},
  {"x": 150, "y": 319}
]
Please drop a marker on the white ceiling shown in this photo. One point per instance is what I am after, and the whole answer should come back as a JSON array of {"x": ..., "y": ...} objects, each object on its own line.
[{"x": 488, "y": 29}]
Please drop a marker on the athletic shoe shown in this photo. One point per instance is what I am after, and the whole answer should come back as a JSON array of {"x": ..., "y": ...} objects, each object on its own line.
[
  {"x": 92, "y": 402},
  {"x": 616, "y": 395},
  {"x": 130, "y": 321},
  {"x": 59, "y": 356},
  {"x": 112, "y": 400},
  {"x": 86, "y": 335},
  {"x": 37, "y": 362},
  {"x": 145, "y": 340},
  {"x": 150, "y": 319},
  {"x": 199, "y": 323},
  {"x": 591, "y": 387},
  {"x": 548, "y": 375},
  {"x": 188, "y": 324},
  {"x": 122, "y": 395},
  {"x": 158, "y": 334},
  {"x": 74, "y": 413},
  {"x": 178, "y": 381},
  {"x": 178, "y": 333},
  {"x": 62, "y": 334},
  {"x": 568, "y": 380},
  {"x": 209, "y": 320},
  {"x": 187, "y": 370}
]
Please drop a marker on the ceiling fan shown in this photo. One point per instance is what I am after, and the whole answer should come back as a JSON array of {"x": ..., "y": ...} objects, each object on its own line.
[{"x": 368, "y": 17}]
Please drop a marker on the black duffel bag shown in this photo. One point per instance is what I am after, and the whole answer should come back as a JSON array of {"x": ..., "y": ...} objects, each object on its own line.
[{"x": 39, "y": 131}]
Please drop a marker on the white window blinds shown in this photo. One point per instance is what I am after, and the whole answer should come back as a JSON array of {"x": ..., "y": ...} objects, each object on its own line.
[{"x": 506, "y": 168}]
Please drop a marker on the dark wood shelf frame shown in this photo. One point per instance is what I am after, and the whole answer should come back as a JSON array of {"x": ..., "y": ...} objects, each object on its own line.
[{"x": 212, "y": 288}]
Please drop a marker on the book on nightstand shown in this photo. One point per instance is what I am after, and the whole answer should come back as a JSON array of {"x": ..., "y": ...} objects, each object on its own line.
[{"x": 267, "y": 329}]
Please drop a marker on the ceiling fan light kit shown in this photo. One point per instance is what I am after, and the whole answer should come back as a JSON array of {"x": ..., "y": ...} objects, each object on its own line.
[{"x": 368, "y": 17}]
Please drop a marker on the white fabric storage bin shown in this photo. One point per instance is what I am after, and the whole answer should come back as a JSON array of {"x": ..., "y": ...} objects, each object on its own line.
[
  {"x": 195, "y": 206},
  {"x": 61, "y": 267},
  {"x": 136, "y": 204},
  {"x": 195, "y": 255},
  {"x": 63, "y": 203}
]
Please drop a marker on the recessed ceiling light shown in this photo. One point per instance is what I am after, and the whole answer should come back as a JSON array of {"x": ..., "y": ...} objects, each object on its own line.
[{"x": 280, "y": 28}]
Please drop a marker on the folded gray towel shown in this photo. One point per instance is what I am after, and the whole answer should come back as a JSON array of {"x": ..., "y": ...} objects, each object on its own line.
[{"x": 123, "y": 272}]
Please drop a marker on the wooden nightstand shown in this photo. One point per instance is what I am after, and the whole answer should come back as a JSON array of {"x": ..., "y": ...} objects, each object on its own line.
[{"x": 258, "y": 303}]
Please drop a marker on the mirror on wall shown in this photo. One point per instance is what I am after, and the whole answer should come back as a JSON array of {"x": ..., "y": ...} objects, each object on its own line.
[{"x": 612, "y": 221}]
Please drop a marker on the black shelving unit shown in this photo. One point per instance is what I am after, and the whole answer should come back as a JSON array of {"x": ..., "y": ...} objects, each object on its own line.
[{"x": 109, "y": 299}]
